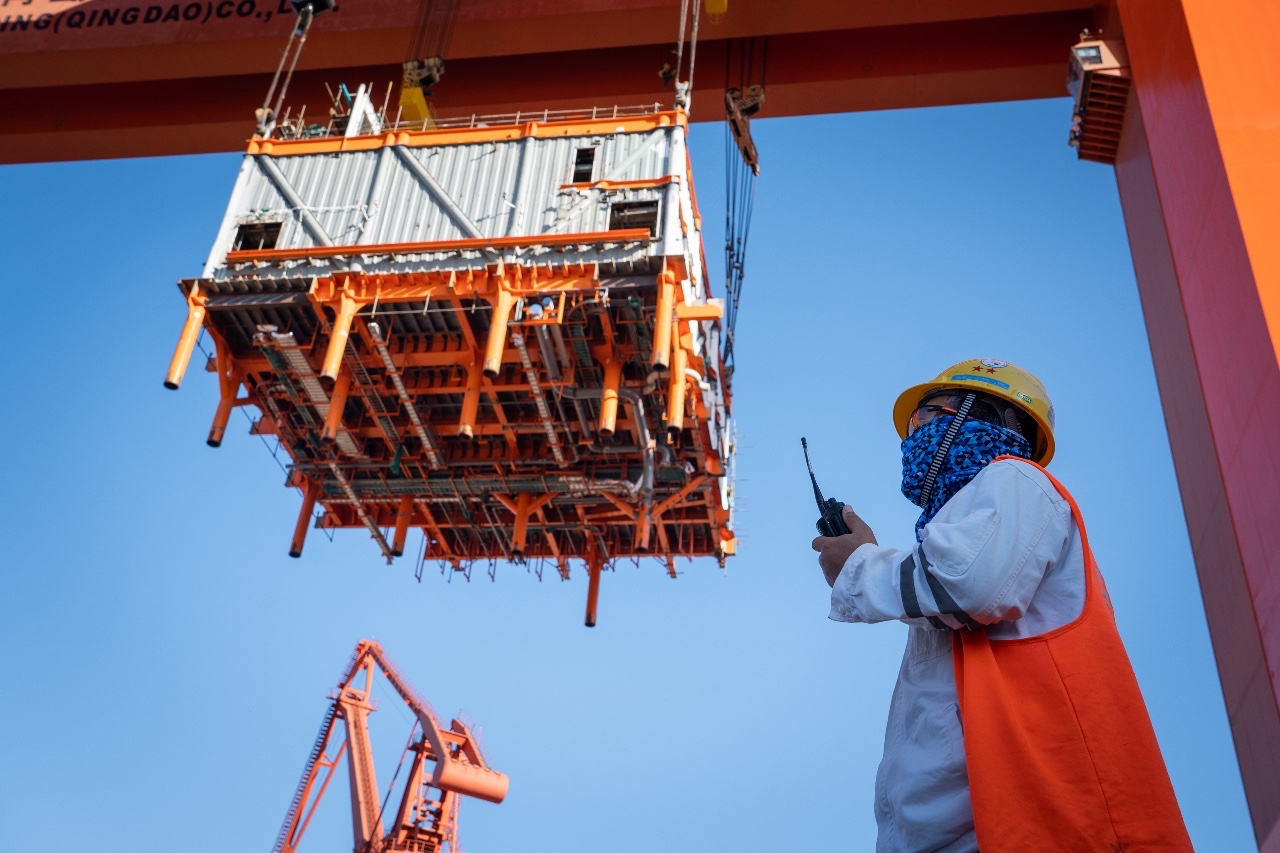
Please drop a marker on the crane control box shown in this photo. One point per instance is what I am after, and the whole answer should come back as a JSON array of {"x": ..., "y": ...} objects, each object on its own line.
[{"x": 1098, "y": 80}]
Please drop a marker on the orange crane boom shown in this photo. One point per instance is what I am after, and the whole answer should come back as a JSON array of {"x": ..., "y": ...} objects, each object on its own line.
[{"x": 445, "y": 763}]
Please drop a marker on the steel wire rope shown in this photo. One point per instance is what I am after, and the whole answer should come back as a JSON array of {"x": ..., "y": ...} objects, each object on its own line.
[
  {"x": 684, "y": 14},
  {"x": 693, "y": 46},
  {"x": 433, "y": 28},
  {"x": 740, "y": 193}
]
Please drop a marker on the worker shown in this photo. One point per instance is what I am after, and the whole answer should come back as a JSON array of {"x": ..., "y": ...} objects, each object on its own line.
[{"x": 1016, "y": 723}]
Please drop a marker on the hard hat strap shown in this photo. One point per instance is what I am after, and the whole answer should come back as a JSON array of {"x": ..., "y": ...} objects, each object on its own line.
[{"x": 935, "y": 466}]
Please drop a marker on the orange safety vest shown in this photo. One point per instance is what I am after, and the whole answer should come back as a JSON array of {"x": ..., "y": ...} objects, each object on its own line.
[{"x": 1060, "y": 750}]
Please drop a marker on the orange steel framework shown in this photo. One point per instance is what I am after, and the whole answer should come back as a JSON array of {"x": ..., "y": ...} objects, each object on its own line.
[
  {"x": 445, "y": 764},
  {"x": 1195, "y": 166},
  {"x": 437, "y": 399}
]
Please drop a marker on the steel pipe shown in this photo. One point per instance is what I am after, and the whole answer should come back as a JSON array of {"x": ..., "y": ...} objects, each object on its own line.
[
  {"x": 347, "y": 308},
  {"x": 470, "y": 402},
  {"x": 337, "y": 402},
  {"x": 663, "y": 320},
  {"x": 310, "y": 491},
  {"x": 186, "y": 343},
  {"x": 675, "y": 391},
  {"x": 594, "y": 567},
  {"x": 403, "y": 513},
  {"x": 645, "y": 486},
  {"x": 503, "y": 302},
  {"x": 546, "y": 353},
  {"x": 609, "y": 397},
  {"x": 228, "y": 386}
]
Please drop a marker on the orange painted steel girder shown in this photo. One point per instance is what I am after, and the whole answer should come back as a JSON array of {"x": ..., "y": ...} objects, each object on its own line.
[
  {"x": 1200, "y": 189},
  {"x": 192, "y": 85},
  {"x": 445, "y": 763}
]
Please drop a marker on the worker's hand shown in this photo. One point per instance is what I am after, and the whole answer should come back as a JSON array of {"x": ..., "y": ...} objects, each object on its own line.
[{"x": 833, "y": 551}]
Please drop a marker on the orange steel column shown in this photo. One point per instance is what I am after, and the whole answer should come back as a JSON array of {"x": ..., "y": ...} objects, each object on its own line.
[
  {"x": 186, "y": 341},
  {"x": 337, "y": 402},
  {"x": 470, "y": 401},
  {"x": 595, "y": 564},
  {"x": 310, "y": 491},
  {"x": 503, "y": 301},
  {"x": 403, "y": 513},
  {"x": 663, "y": 320},
  {"x": 228, "y": 387},
  {"x": 676, "y": 390},
  {"x": 609, "y": 396},
  {"x": 1199, "y": 180},
  {"x": 347, "y": 308}
]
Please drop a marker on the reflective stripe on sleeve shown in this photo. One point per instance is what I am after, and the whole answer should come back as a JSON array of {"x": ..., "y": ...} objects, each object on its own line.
[
  {"x": 910, "y": 603},
  {"x": 946, "y": 604}
]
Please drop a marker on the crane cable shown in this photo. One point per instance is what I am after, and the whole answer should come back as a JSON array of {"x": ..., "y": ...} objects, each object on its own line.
[
  {"x": 428, "y": 42},
  {"x": 740, "y": 194},
  {"x": 266, "y": 114},
  {"x": 433, "y": 29},
  {"x": 683, "y": 89}
]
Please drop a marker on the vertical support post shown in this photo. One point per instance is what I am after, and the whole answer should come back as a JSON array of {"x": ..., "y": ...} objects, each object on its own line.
[
  {"x": 595, "y": 564},
  {"x": 337, "y": 402},
  {"x": 663, "y": 319},
  {"x": 503, "y": 301},
  {"x": 347, "y": 307},
  {"x": 187, "y": 340},
  {"x": 609, "y": 396},
  {"x": 470, "y": 401},
  {"x": 676, "y": 389},
  {"x": 1201, "y": 198},
  {"x": 521, "y": 531},
  {"x": 228, "y": 387},
  {"x": 644, "y": 527},
  {"x": 522, "y": 507},
  {"x": 310, "y": 491},
  {"x": 403, "y": 514}
]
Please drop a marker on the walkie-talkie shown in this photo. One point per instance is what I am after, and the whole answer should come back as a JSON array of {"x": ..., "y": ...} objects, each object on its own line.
[{"x": 832, "y": 511}]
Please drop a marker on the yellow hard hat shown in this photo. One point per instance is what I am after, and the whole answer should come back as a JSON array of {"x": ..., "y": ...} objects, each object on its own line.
[{"x": 997, "y": 378}]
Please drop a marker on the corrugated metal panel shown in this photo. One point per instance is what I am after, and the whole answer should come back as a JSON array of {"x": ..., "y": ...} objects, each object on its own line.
[{"x": 501, "y": 187}]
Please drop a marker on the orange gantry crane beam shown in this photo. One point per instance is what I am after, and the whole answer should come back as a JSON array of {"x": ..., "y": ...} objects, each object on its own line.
[
  {"x": 444, "y": 764},
  {"x": 196, "y": 70}
]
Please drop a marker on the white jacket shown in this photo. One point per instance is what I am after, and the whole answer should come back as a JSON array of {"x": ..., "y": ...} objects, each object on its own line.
[{"x": 1003, "y": 552}]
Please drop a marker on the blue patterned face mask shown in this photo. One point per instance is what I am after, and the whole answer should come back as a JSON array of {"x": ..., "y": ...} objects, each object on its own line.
[{"x": 975, "y": 445}]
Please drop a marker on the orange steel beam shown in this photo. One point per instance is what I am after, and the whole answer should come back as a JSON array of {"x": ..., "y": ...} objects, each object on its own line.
[
  {"x": 87, "y": 85},
  {"x": 622, "y": 235},
  {"x": 1201, "y": 197}
]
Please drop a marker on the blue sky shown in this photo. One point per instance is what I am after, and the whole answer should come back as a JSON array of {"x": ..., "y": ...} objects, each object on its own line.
[{"x": 169, "y": 661}]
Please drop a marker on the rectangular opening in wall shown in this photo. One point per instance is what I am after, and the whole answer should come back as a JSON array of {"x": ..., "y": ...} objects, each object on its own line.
[
  {"x": 584, "y": 162},
  {"x": 634, "y": 214},
  {"x": 256, "y": 235}
]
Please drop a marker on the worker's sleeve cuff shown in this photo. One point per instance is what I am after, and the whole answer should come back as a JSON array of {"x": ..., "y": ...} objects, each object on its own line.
[{"x": 845, "y": 591}]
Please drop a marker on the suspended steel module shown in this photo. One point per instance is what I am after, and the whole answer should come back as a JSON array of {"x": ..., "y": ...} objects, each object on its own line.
[{"x": 498, "y": 331}]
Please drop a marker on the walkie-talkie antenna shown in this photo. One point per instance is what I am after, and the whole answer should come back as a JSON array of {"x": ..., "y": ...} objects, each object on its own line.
[{"x": 817, "y": 493}]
